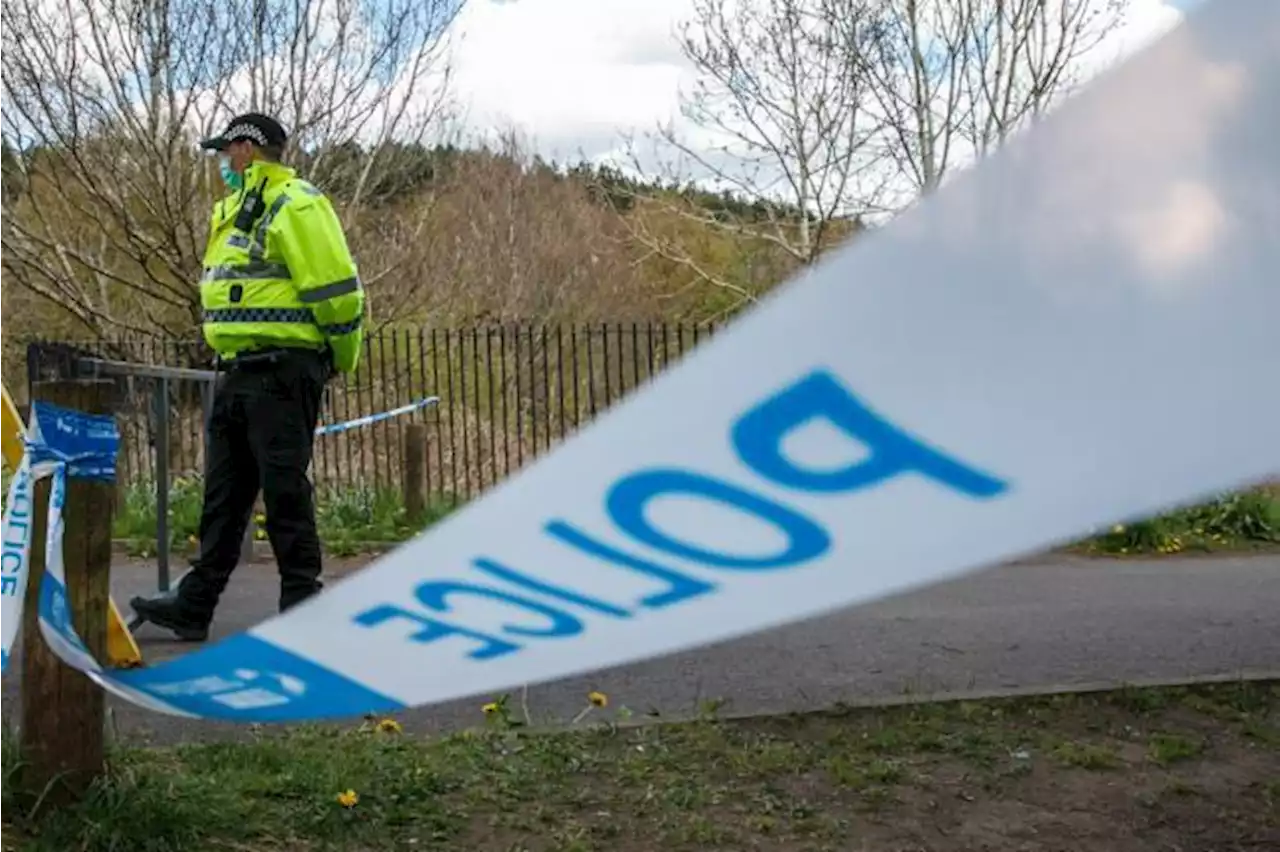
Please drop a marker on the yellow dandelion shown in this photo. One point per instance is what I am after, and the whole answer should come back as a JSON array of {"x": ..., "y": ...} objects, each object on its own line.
[
  {"x": 348, "y": 798},
  {"x": 598, "y": 699},
  {"x": 389, "y": 726},
  {"x": 490, "y": 708}
]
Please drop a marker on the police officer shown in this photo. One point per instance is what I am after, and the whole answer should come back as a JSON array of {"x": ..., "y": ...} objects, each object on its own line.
[{"x": 282, "y": 305}]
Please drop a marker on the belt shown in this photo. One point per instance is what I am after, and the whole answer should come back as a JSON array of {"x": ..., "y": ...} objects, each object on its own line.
[{"x": 265, "y": 357}]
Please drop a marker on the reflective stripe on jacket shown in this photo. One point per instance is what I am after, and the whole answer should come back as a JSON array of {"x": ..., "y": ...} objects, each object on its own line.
[{"x": 289, "y": 280}]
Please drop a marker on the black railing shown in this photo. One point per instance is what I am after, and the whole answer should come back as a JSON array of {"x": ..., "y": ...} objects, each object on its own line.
[{"x": 508, "y": 394}]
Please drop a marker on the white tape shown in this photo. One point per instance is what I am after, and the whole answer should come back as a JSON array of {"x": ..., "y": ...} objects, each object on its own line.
[
  {"x": 55, "y": 610},
  {"x": 369, "y": 419},
  {"x": 15, "y": 561},
  {"x": 16, "y": 527},
  {"x": 1080, "y": 330}
]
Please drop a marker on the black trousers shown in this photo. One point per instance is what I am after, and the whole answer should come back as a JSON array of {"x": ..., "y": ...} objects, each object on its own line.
[{"x": 261, "y": 434}]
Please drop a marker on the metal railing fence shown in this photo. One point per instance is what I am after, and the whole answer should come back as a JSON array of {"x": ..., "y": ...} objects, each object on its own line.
[{"x": 508, "y": 393}]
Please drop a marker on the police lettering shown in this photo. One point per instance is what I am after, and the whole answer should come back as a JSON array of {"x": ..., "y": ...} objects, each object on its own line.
[
  {"x": 881, "y": 451},
  {"x": 17, "y": 533}
]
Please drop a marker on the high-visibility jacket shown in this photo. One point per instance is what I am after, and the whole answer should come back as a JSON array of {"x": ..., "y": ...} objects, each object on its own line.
[{"x": 288, "y": 279}]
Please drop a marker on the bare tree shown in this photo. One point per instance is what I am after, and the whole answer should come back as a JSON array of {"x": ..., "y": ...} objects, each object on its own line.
[
  {"x": 777, "y": 118},
  {"x": 952, "y": 79},
  {"x": 823, "y": 114},
  {"x": 105, "y": 99}
]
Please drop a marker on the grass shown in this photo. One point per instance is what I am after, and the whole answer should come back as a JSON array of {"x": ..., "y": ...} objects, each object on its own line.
[
  {"x": 1086, "y": 755},
  {"x": 1240, "y": 521},
  {"x": 348, "y": 521},
  {"x": 1170, "y": 748},
  {"x": 1073, "y": 771}
]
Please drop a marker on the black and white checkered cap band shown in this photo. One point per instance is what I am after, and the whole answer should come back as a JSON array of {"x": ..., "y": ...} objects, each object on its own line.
[{"x": 246, "y": 131}]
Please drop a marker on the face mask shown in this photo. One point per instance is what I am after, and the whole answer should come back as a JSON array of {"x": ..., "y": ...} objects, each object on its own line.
[{"x": 230, "y": 176}]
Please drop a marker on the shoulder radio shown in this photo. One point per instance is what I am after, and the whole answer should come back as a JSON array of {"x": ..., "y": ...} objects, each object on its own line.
[{"x": 251, "y": 208}]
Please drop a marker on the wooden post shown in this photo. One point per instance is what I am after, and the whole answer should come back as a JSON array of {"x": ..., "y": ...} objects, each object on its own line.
[
  {"x": 415, "y": 466},
  {"x": 61, "y": 735}
]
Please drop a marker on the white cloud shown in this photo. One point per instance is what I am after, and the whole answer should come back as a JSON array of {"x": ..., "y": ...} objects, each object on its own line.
[
  {"x": 1146, "y": 20},
  {"x": 573, "y": 74},
  {"x": 570, "y": 73}
]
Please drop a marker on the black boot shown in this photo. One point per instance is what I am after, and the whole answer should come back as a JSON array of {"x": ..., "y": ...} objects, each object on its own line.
[{"x": 166, "y": 611}]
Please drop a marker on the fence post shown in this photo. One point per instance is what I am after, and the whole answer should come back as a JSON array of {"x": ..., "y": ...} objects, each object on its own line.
[
  {"x": 415, "y": 466},
  {"x": 160, "y": 404},
  {"x": 61, "y": 735}
]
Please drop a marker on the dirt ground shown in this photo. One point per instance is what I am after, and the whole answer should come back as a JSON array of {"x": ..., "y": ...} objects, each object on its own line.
[
  {"x": 1136, "y": 771},
  {"x": 1185, "y": 770}
]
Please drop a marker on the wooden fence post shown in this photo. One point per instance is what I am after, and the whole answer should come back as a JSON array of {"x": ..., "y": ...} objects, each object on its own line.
[
  {"x": 61, "y": 735},
  {"x": 415, "y": 466}
]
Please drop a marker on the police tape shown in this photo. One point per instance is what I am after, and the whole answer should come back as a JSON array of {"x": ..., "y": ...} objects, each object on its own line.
[
  {"x": 59, "y": 444},
  {"x": 15, "y": 538},
  {"x": 16, "y": 530},
  {"x": 370, "y": 419},
  {"x": 1074, "y": 332}
]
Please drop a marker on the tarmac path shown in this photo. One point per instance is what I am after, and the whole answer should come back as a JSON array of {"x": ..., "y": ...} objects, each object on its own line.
[{"x": 1048, "y": 623}]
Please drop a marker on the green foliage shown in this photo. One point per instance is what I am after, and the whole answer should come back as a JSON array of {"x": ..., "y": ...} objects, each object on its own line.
[
  {"x": 348, "y": 520},
  {"x": 352, "y": 518},
  {"x": 135, "y": 520},
  {"x": 1164, "y": 748},
  {"x": 234, "y": 793},
  {"x": 609, "y": 186},
  {"x": 1245, "y": 519}
]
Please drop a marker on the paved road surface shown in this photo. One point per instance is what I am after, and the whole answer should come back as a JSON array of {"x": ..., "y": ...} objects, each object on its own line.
[{"x": 1041, "y": 623}]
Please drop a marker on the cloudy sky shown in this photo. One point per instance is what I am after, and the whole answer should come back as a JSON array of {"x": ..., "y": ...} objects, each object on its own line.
[{"x": 571, "y": 74}]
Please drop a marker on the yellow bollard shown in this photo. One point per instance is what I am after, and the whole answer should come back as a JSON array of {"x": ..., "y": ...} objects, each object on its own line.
[
  {"x": 122, "y": 650},
  {"x": 12, "y": 431}
]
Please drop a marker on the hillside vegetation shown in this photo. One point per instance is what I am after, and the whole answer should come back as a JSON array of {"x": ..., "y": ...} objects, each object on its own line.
[{"x": 466, "y": 237}]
